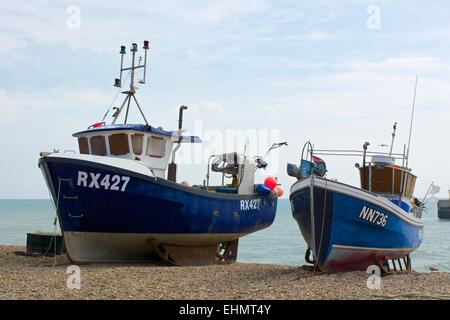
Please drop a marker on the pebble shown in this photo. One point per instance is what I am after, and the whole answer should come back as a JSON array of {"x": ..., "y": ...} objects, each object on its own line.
[{"x": 23, "y": 277}]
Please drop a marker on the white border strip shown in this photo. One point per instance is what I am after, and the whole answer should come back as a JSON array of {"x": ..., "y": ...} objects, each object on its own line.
[
  {"x": 121, "y": 163},
  {"x": 341, "y": 247}
]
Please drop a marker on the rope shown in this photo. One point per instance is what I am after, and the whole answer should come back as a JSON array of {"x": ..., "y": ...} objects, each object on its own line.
[
  {"x": 53, "y": 238},
  {"x": 313, "y": 274},
  {"x": 115, "y": 98},
  {"x": 323, "y": 223}
]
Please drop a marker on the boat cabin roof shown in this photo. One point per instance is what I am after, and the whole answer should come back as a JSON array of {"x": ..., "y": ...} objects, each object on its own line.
[{"x": 141, "y": 128}]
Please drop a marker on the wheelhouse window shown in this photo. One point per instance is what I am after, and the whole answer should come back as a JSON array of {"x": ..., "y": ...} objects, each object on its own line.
[
  {"x": 98, "y": 145},
  {"x": 83, "y": 145},
  {"x": 136, "y": 142},
  {"x": 156, "y": 147},
  {"x": 118, "y": 144}
]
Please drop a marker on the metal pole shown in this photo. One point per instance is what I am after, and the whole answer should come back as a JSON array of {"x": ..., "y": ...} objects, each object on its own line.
[
  {"x": 393, "y": 137},
  {"x": 121, "y": 67},
  {"x": 317, "y": 151},
  {"x": 145, "y": 65},
  {"x": 120, "y": 110},
  {"x": 422, "y": 204},
  {"x": 128, "y": 108},
  {"x": 411, "y": 125},
  {"x": 180, "y": 120},
  {"x": 139, "y": 107},
  {"x": 351, "y": 154},
  {"x": 365, "y": 145},
  {"x": 179, "y": 133},
  {"x": 393, "y": 180},
  {"x": 402, "y": 175},
  {"x": 207, "y": 170},
  {"x": 145, "y": 47},
  {"x": 133, "y": 49}
]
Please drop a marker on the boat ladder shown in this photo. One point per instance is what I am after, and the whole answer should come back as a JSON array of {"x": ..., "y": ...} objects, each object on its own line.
[{"x": 74, "y": 207}]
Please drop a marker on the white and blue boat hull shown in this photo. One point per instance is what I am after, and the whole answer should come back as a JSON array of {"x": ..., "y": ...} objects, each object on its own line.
[{"x": 348, "y": 228}]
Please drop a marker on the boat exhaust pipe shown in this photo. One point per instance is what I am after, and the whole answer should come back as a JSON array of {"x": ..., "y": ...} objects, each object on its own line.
[
  {"x": 172, "y": 173},
  {"x": 365, "y": 145}
]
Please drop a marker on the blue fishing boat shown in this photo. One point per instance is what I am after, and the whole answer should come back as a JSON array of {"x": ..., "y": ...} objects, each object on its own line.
[
  {"x": 350, "y": 228},
  {"x": 118, "y": 199}
]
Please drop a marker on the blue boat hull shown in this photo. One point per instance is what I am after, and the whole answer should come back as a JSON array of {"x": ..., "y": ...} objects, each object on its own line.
[
  {"x": 350, "y": 229},
  {"x": 107, "y": 213}
]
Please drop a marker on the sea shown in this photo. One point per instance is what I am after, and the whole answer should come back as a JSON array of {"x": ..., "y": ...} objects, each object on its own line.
[{"x": 281, "y": 243}]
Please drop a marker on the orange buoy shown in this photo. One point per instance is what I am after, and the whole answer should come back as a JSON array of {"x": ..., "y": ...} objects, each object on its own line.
[
  {"x": 280, "y": 191},
  {"x": 273, "y": 195}
]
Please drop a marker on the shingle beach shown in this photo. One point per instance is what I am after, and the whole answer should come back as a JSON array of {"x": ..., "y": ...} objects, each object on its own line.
[{"x": 25, "y": 277}]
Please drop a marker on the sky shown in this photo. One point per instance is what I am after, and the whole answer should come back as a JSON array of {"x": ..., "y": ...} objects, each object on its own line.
[{"x": 337, "y": 73}]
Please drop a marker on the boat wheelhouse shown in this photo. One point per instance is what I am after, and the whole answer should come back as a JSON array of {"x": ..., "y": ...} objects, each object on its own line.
[
  {"x": 382, "y": 176},
  {"x": 150, "y": 146}
]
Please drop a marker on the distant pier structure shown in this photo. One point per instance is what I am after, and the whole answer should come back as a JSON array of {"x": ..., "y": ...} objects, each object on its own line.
[{"x": 444, "y": 208}]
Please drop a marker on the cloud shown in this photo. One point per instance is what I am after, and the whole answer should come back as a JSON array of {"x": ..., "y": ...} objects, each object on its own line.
[
  {"x": 39, "y": 121},
  {"x": 218, "y": 11},
  {"x": 197, "y": 11},
  {"x": 56, "y": 106},
  {"x": 44, "y": 21},
  {"x": 367, "y": 86},
  {"x": 206, "y": 55}
]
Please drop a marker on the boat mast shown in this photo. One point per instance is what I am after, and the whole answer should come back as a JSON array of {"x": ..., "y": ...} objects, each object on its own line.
[
  {"x": 130, "y": 94},
  {"x": 411, "y": 125}
]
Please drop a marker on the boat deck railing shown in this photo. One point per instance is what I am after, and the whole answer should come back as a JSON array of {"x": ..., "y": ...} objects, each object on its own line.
[
  {"x": 379, "y": 177},
  {"x": 356, "y": 153}
]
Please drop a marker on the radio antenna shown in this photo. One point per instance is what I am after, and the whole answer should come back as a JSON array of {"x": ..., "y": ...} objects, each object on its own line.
[
  {"x": 411, "y": 125},
  {"x": 130, "y": 94}
]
